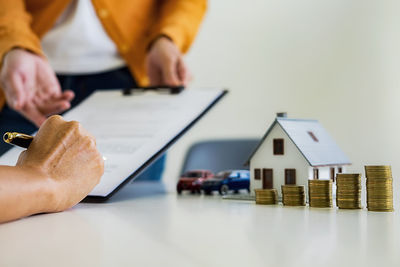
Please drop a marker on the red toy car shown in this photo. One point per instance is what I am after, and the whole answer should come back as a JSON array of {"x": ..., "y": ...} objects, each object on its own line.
[{"x": 192, "y": 180}]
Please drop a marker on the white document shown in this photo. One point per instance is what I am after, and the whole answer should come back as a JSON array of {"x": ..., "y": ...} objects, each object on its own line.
[{"x": 129, "y": 130}]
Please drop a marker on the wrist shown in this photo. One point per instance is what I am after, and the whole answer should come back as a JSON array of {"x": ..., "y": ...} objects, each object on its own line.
[
  {"x": 42, "y": 190},
  {"x": 160, "y": 37},
  {"x": 11, "y": 52},
  {"x": 14, "y": 50},
  {"x": 17, "y": 51}
]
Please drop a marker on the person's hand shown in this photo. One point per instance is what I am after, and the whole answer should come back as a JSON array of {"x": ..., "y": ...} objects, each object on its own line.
[
  {"x": 66, "y": 155},
  {"x": 164, "y": 64},
  {"x": 31, "y": 87}
]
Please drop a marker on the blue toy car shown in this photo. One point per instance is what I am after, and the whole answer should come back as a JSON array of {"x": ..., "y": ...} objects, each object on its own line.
[{"x": 225, "y": 181}]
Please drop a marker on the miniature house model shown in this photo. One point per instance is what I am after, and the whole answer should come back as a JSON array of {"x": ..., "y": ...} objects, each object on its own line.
[{"x": 293, "y": 151}]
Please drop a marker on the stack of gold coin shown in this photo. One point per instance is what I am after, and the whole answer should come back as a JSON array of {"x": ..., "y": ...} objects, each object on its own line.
[
  {"x": 348, "y": 192},
  {"x": 293, "y": 195},
  {"x": 266, "y": 196},
  {"x": 320, "y": 193},
  {"x": 379, "y": 188}
]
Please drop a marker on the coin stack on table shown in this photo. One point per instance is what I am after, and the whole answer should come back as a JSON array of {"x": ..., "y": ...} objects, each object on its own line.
[
  {"x": 379, "y": 188},
  {"x": 348, "y": 192},
  {"x": 293, "y": 195},
  {"x": 266, "y": 196},
  {"x": 320, "y": 193}
]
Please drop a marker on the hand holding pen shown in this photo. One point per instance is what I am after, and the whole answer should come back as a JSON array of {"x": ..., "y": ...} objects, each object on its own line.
[{"x": 58, "y": 169}]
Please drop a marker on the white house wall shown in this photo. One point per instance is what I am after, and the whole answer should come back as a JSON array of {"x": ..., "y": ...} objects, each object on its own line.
[
  {"x": 291, "y": 159},
  {"x": 324, "y": 172}
]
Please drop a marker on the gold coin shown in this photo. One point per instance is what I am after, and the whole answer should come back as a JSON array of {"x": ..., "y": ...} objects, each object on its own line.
[{"x": 266, "y": 196}]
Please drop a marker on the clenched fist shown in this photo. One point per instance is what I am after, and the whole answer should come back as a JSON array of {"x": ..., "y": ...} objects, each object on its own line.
[
  {"x": 60, "y": 168},
  {"x": 66, "y": 154}
]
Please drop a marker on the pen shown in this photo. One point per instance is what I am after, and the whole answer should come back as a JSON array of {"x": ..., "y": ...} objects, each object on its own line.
[{"x": 18, "y": 139}]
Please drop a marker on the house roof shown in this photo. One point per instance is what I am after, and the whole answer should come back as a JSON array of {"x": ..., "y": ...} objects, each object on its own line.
[{"x": 312, "y": 140}]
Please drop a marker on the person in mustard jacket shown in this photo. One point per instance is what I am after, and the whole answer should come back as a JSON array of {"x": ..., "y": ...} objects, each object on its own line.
[
  {"x": 54, "y": 54},
  {"x": 47, "y": 47}
]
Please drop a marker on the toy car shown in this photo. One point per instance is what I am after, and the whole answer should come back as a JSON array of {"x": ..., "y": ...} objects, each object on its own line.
[
  {"x": 225, "y": 181},
  {"x": 192, "y": 180}
]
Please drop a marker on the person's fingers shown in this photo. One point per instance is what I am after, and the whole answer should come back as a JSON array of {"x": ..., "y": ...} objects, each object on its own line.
[
  {"x": 156, "y": 78},
  {"x": 42, "y": 94},
  {"x": 170, "y": 74},
  {"x": 154, "y": 74},
  {"x": 84, "y": 132},
  {"x": 48, "y": 138},
  {"x": 68, "y": 95},
  {"x": 53, "y": 123},
  {"x": 32, "y": 113},
  {"x": 30, "y": 86},
  {"x": 15, "y": 92},
  {"x": 49, "y": 91},
  {"x": 47, "y": 81},
  {"x": 183, "y": 72},
  {"x": 54, "y": 107}
]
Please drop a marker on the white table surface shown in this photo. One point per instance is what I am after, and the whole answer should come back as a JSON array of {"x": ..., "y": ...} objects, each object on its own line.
[{"x": 142, "y": 226}]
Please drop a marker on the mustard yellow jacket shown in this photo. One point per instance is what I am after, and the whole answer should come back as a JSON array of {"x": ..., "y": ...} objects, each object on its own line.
[{"x": 131, "y": 24}]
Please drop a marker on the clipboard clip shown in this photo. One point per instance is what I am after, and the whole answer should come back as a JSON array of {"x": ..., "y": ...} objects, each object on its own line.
[{"x": 173, "y": 90}]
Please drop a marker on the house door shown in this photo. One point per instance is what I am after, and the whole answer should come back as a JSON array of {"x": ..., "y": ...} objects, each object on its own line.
[
  {"x": 332, "y": 170},
  {"x": 316, "y": 173},
  {"x": 290, "y": 176},
  {"x": 267, "y": 179}
]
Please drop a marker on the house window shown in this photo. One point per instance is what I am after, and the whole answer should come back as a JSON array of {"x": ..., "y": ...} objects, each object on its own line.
[
  {"x": 290, "y": 176},
  {"x": 340, "y": 170},
  {"x": 316, "y": 173},
  {"x": 332, "y": 171},
  {"x": 257, "y": 174},
  {"x": 267, "y": 179},
  {"x": 312, "y": 135},
  {"x": 278, "y": 146}
]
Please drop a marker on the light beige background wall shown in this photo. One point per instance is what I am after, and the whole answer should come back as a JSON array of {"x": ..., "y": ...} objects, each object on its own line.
[{"x": 336, "y": 61}]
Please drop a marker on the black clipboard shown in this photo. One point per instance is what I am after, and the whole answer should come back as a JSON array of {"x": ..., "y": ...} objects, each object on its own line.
[{"x": 100, "y": 199}]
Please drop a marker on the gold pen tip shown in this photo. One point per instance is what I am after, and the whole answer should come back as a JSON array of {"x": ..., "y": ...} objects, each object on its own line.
[
  {"x": 7, "y": 137},
  {"x": 18, "y": 139}
]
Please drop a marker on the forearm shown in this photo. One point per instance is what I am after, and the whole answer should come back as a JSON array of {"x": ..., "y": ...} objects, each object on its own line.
[{"x": 23, "y": 192}]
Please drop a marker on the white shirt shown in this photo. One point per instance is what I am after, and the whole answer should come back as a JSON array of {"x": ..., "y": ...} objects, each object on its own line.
[{"x": 78, "y": 44}]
